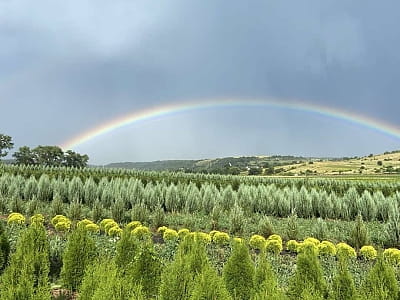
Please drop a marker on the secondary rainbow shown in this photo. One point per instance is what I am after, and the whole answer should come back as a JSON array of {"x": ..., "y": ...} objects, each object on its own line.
[{"x": 181, "y": 107}]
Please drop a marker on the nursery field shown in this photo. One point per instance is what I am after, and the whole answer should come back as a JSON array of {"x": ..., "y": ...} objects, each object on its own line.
[{"x": 122, "y": 234}]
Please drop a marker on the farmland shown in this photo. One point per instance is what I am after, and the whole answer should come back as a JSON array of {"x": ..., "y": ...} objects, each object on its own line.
[{"x": 127, "y": 234}]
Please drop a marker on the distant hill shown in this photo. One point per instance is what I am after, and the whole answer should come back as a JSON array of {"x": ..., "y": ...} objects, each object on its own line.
[
  {"x": 226, "y": 165},
  {"x": 386, "y": 163}
]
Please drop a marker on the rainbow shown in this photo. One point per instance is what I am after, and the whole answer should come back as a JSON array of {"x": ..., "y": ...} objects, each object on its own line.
[{"x": 181, "y": 107}]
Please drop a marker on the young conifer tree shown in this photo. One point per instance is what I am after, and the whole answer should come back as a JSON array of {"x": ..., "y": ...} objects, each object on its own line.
[
  {"x": 265, "y": 282},
  {"x": 238, "y": 272},
  {"x": 79, "y": 253},
  {"x": 27, "y": 275},
  {"x": 146, "y": 269},
  {"x": 4, "y": 248},
  {"x": 343, "y": 287},
  {"x": 208, "y": 285},
  {"x": 103, "y": 281},
  {"x": 177, "y": 279},
  {"x": 308, "y": 276},
  {"x": 381, "y": 282}
]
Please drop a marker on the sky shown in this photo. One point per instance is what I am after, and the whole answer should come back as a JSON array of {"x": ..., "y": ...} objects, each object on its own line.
[{"x": 67, "y": 67}]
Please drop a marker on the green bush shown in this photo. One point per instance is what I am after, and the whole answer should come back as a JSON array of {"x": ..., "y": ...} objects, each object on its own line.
[
  {"x": 79, "y": 253},
  {"x": 308, "y": 276},
  {"x": 27, "y": 275},
  {"x": 381, "y": 282},
  {"x": 343, "y": 287},
  {"x": 208, "y": 285},
  {"x": 238, "y": 272},
  {"x": 257, "y": 242},
  {"x": 368, "y": 252}
]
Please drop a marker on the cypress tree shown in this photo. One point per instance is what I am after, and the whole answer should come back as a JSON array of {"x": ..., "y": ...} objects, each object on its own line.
[
  {"x": 177, "y": 279},
  {"x": 208, "y": 285},
  {"x": 265, "y": 282},
  {"x": 381, "y": 282},
  {"x": 343, "y": 284},
  {"x": 146, "y": 269},
  {"x": 79, "y": 253},
  {"x": 308, "y": 276},
  {"x": 27, "y": 275},
  {"x": 238, "y": 272},
  {"x": 4, "y": 248}
]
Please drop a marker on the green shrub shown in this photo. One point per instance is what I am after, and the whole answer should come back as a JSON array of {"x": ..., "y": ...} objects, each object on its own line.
[
  {"x": 141, "y": 233},
  {"x": 343, "y": 287},
  {"x": 345, "y": 251},
  {"x": 126, "y": 250},
  {"x": 359, "y": 234},
  {"x": 368, "y": 252},
  {"x": 238, "y": 272},
  {"x": 381, "y": 282},
  {"x": 177, "y": 278},
  {"x": 265, "y": 282},
  {"x": 392, "y": 255},
  {"x": 308, "y": 276},
  {"x": 221, "y": 238},
  {"x": 79, "y": 253},
  {"x": 27, "y": 275},
  {"x": 326, "y": 248},
  {"x": 4, "y": 248},
  {"x": 273, "y": 246},
  {"x": 264, "y": 227},
  {"x": 208, "y": 285},
  {"x": 257, "y": 242},
  {"x": 16, "y": 218},
  {"x": 292, "y": 245},
  {"x": 146, "y": 270},
  {"x": 102, "y": 281},
  {"x": 170, "y": 234}
]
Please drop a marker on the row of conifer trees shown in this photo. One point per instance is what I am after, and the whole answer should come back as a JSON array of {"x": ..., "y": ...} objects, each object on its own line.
[{"x": 269, "y": 199}]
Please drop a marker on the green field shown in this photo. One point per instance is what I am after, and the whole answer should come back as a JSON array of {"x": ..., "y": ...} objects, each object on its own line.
[{"x": 130, "y": 234}]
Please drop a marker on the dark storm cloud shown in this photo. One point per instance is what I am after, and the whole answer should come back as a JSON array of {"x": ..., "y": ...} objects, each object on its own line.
[{"x": 68, "y": 66}]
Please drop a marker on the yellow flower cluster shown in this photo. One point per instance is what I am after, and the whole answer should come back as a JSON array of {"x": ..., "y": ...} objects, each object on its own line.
[
  {"x": 132, "y": 225},
  {"x": 16, "y": 218},
  {"x": 183, "y": 232},
  {"x": 61, "y": 223},
  {"x": 326, "y": 248}
]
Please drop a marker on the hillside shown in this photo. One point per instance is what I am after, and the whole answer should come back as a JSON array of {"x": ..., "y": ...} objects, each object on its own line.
[
  {"x": 387, "y": 163},
  {"x": 226, "y": 165}
]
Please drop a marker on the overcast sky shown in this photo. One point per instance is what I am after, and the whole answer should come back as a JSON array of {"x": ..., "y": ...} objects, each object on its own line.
[{"x": 68, "y": 66}]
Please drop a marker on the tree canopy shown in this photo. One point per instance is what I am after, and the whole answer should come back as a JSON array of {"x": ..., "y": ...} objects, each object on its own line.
[
  {"x": 5, "y": 144},
  {"x": 50, "y": 156}
]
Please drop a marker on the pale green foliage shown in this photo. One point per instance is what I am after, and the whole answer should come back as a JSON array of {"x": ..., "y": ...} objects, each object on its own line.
[{"x": 359, "y": 234}]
